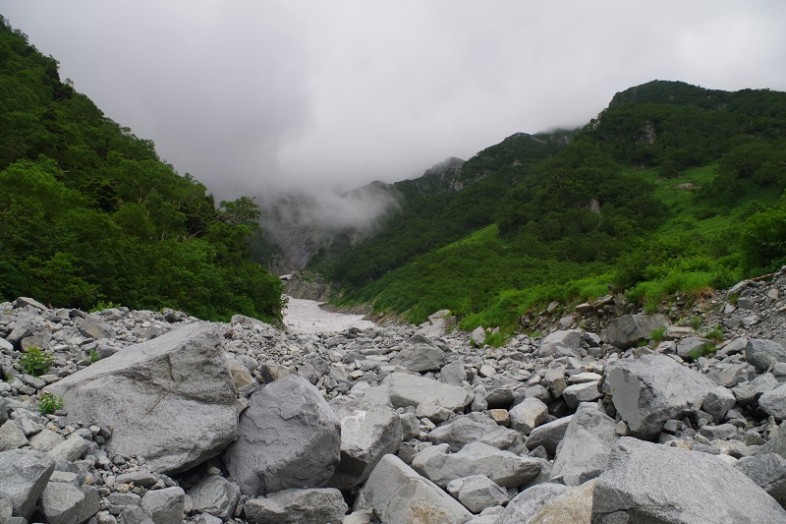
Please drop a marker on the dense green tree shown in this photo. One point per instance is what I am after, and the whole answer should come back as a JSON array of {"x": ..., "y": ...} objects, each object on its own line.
[{"x": 89, "y": 213}]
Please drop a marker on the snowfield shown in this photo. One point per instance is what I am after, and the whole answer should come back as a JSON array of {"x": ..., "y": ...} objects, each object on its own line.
[{"x": 306, "y": 316}]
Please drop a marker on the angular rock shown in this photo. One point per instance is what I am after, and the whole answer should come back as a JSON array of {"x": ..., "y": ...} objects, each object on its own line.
[
  {"x": 584, "y": 452},
  {"x": 773, "y": 402},
  {"x": 289, "y": 437},
  {"x": 624, "y": 494},
  {"x": 718, "y": 402},
  {"x": 691, "y": 347},
  {"x": 499, "y": 398},
  {"x": 216, "y": 496},
  {"x": 70, "y": 449},
  {"x": 63, "y": 503},
  {"x": 570, "y": 338},
  {"x": 528, "y": 414},
  {"x": 45, "y": 440},
  {"x": 478, "y": 492},
  {"x": 526, "y": 504},
  {"x": 768, "y": 471},
  {"x": 12, "y": 436},
  {"x": 422, "y": 358},
  {"x": 572, "y": 507},
  {"x": 142, "y": 477},
  {"x": 555, "y": 380},
  {"x": 453, "y": 373},
  {"x": 134, "y": 515},
  {"x": 411, "y": 390},
  {"x": 368, "y": 432},
  {"x": 399, "y": 495},
  {"x": 472, "y": 428},
  {"x": 165, "y": 506},
  {"x": 652, "y": 389},
  {"x": 763, "y": 353},
  {"x": 23, "y": 477},
  {"x": 747, "y": 392},
  {"x": 575, "y": 394},
  {"x": 503, "y": 467},
  {"x": 549, "y": 435},
  {"x": 170, "y": 399},
  {"x": 627, "y": 330},
  {"x": 297, "y": 506},
  {"x": 92, "y": 326}
]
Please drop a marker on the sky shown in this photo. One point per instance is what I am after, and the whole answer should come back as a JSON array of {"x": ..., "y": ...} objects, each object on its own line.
[{"x": 251, "y": 95}]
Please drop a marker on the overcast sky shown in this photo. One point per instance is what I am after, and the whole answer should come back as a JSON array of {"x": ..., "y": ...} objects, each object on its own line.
[{"x": 249, "y": 94}]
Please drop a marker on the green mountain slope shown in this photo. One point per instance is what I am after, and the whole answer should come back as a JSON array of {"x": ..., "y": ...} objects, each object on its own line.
[
  {"x": 671, "y": 188},
  {"x": 438, "y": 208},
  {"x": 89, "y": 214}
]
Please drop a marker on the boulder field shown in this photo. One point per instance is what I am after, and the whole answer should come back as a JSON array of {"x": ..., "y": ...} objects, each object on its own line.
[{"x": 612, "y": 416}]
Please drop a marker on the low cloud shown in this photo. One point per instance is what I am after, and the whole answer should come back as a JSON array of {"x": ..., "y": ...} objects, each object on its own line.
[{"x": 254, "y": 96}]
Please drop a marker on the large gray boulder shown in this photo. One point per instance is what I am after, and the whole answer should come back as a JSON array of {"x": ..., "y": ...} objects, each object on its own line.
[
  {"x": 652, "y": 389},
  {"x": 24, "y": 474},
  {"x": 549, "y": 435},
  {"x": 399, "y": 495},
  {"x": 768, "y": 471},
  {"x": 478, "y": 492},
  {"x": 627, "y": 330},
  {"x": 165, "y": 506},
  {"x": 503, "y": 467},
  {"x": 421, "y": 358},
  {"x": 64, "y": 503},
  {"x": 570, "y": 338},
  {"x": 297, "y": 506},
  {"x": 289, "y": 437},
  {"x": 648, "y": 482},
  {"x": 215, "y": 495},
  {"x": 368, "y": 432},
  {"x": 773, "y": 402},
  {"x": 583, "y": 453},
  {"x": 170, "y": 399},
  {"x": 763, "y": 353},
  {"x": 572, "y": 507},
  {"x": 528, "y": 414},
  {"x": 412, "y": 390},
  {"x": 471, "y": 428}
]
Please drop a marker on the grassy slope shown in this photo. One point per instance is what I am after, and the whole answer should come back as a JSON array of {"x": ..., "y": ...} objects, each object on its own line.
[{"x": 488, "y": 280}]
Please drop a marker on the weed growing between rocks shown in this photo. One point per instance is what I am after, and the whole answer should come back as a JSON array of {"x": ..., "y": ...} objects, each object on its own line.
[
  {"x": 49, "y": 403},
  {"x": 35, "y": 361}
]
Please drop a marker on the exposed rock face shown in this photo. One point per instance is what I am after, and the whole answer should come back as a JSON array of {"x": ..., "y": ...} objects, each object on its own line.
[
  {"x": 289, "y": 437},
  {"x": 170, "y": 399},
  {"x": 623, "y": 494},
  {"x": 652, "y": 389}
]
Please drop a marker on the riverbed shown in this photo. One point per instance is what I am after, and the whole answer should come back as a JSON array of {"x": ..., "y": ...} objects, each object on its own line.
[{"x": 306, "y": 316}]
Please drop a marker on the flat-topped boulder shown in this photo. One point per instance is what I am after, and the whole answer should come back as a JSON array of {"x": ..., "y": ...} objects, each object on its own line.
[
  {"x": 412, "y": 390},
  {"x": 170, "y": 399},
  {"x": 648, "y": 482}
]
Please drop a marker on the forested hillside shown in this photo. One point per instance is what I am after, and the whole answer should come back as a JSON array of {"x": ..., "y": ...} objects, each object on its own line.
[
  {"x": 671, "y": 188},
  {"x": 89, "y": 214}
]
